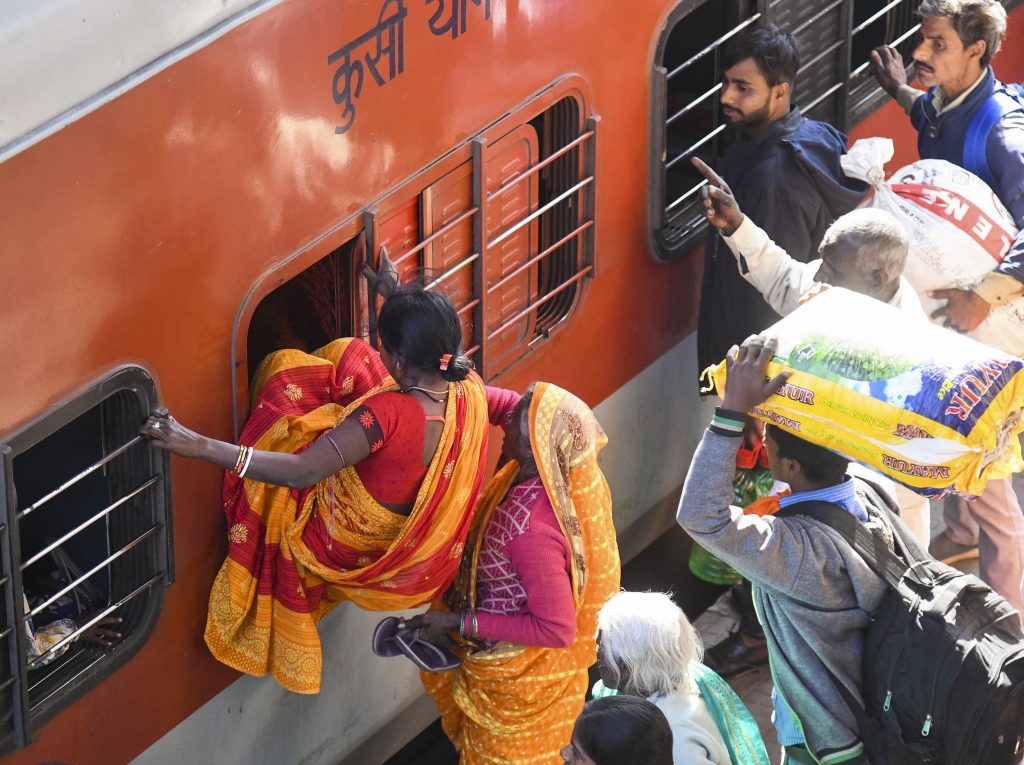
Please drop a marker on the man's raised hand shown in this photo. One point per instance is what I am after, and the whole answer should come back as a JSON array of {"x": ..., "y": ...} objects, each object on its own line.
[
  {"x": 887, "y": 66},
  {"x": 719, "y": 204},
  {"x": 745, "y": 383}
]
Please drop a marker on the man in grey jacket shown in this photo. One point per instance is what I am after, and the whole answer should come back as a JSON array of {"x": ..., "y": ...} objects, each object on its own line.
[{"x": 813, "y": 593}]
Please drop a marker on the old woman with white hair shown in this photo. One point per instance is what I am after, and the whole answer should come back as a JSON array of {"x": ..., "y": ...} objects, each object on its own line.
[{"x": 647, "y": 647}]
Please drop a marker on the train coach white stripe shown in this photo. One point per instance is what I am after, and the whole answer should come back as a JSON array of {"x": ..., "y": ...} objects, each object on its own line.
[{"x": 95, "y": 50}]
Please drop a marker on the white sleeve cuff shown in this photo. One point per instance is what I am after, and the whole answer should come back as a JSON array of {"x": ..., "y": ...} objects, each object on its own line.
[{"x": 748, "y": 238}]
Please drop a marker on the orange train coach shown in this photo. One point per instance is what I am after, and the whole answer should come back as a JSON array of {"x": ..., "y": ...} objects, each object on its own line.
[{"x": 186, "y": 186}]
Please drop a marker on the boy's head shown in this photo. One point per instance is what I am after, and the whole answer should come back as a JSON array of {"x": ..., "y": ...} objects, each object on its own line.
[{"x": 800, "y": 463}]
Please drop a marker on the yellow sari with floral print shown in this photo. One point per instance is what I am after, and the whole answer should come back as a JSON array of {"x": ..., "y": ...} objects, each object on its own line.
[
  {"x": 294, "y": 555},
  {"x": 513, "y": 703}
]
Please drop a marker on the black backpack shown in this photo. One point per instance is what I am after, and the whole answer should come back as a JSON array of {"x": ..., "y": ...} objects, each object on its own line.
[{"x": 943, "y": 666}]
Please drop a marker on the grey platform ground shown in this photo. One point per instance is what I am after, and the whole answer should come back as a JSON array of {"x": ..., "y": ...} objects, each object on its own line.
[{"x": 755, "y": 687}]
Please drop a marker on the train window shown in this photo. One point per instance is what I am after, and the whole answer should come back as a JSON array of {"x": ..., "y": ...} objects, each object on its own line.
[
  {"x": 687, "y": 121},
  {"x": 834, "y": 39},
  {"x": 507, "y": 233},
  {"x": 84, "y": 536},
  {"x": 307, "y": 311},
  {"x": 834, "y": 84}
]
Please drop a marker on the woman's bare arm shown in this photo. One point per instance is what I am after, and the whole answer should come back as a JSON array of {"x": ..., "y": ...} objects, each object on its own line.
[{"x": 295, "y": 471}]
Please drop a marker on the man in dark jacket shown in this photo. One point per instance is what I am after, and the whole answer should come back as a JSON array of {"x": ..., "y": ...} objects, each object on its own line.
[
  {"x": 785, "y": 174},
  {"x": 969, "y": 118}
]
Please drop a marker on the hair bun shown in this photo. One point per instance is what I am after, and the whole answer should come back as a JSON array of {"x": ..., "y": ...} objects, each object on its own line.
[{"x": 458, "y": 369}]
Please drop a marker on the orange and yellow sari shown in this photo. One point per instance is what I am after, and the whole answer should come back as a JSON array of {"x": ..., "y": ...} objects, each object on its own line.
[
  {"x": 295, "y": 554},
  {"x": 513, "y": 703}
]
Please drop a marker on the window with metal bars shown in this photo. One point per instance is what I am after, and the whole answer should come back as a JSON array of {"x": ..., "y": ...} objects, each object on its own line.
[
  {"x": 84, "y": 534},
  {"x": 834, "y": 84},
  {"x": 507, "y": 234}
]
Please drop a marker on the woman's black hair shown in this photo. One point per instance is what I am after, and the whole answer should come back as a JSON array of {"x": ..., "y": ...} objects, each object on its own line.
[
  {"x": 623, "y": 730},
  {"x": 819, "y": 464},
  {"x": 421, "y": 327}
]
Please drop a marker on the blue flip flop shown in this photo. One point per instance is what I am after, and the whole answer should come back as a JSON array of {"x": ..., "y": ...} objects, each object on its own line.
[
  {"x": 384, "y": 637},
  {"x": 426, "y": 656}
]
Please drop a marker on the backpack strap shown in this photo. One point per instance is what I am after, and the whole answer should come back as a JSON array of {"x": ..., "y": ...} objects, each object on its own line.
[
  {"x": 1003, "y": 101},
  {"x": 909, "y": 547},
  {"x": 871, "y": 547}
]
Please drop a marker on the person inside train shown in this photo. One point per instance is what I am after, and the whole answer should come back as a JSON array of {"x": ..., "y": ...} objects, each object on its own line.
[
  {"x": 355, "y": 478},
  {"x": 969, "y": 118},
  {"x": 620, "y": 730},
  {"x": 800, "y": 567},
  {"x": 647, "y": 647},
  {"x": 541, "y": 560},
  {"x": 865, "y": 251}
]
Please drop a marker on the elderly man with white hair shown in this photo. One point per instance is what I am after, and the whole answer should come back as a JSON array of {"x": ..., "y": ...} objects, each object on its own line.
[
  {"x": 647, "y": 647},
  {"x": 864, "y": 251}
]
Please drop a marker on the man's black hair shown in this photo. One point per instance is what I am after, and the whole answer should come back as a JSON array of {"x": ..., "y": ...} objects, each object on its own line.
[
  {"x": 820, "y": 465},
  {"x": 773, "y": 50}
]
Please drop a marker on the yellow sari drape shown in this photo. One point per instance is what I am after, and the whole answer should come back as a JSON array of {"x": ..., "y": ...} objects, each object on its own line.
[
  {"x": 294, "y": 555},
  {"x": 517, "y": 704}
]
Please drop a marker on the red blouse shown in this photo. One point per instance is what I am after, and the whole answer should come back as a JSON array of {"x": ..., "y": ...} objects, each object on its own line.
[{"x": 395, "y": 425}]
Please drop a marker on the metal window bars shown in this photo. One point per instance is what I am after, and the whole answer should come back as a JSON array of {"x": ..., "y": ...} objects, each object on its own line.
[
  {"x": 834, "y": 36},
  {"x": 133, "y": 567},
  {"x": 577, "y": 196},
  {"x": 678, "y": 210}
]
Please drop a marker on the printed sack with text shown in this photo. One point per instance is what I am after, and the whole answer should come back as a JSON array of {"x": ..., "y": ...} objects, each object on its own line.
[
  {"x": 924, "y": 405},
  {"x": 959, "y": 231}
]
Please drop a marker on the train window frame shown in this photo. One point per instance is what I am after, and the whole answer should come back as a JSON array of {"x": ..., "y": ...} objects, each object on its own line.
[
  {"x": 831, "y": 86},
  {"x": 120, "y": 401},
  {"x": 578, "y": 151},
  {"x": 561, "y": 288}
]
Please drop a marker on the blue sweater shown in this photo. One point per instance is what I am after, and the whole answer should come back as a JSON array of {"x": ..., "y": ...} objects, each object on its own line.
[{"x": 941, "y": 136}]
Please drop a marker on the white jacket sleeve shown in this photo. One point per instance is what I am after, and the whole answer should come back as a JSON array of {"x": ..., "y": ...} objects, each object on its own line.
[{"x": 778, "y": 277}]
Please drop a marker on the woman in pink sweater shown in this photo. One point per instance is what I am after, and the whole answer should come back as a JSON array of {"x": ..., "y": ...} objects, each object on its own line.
[{"x": 540, "y": 562}]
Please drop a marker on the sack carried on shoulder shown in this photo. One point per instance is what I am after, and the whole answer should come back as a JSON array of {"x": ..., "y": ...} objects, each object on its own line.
[{"x": 958, "y": 229}]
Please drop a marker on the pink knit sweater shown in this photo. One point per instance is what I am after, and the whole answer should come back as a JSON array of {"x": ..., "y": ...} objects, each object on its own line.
[{"x": 524, "y": 594}]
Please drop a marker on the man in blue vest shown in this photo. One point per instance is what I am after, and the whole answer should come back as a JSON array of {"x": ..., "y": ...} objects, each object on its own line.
[{"x": 969, "y": 118}]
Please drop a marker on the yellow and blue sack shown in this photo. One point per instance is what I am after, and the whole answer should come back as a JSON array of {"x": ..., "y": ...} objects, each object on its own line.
[{"x": 927, "y": 406}]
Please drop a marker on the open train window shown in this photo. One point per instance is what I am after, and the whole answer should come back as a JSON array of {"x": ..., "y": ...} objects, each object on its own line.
[
  {"x": 687, "y": 120},
  {"x": 84, "y": 535},
  {"x": 504, "y": 229},
  {"x": 308, "y": 311},
  {"x": 834, "y": 84}
]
